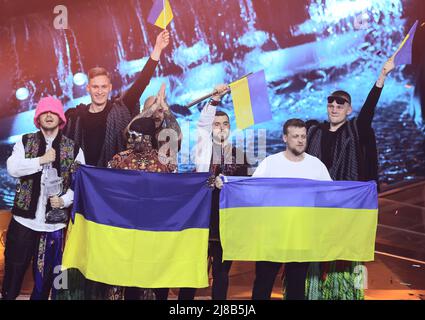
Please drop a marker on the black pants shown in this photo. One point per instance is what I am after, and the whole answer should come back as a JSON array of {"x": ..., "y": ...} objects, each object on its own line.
[
  {"x": 184, "y": 293},
  {"x": 220, "y": 272},
  {"x": 265, "y": 274},
  {"x": 21, "y": 244}
]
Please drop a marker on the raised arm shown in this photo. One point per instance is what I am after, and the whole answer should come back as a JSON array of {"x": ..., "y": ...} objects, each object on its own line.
[
  {"x": 203, "y": 148},
  {"x": 132, "y": 96},
  {"x": 368, "y": 110}
]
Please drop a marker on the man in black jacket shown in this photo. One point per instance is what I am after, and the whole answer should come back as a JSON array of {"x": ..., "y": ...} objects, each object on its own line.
[
  {"x": 98, "y": 127},
  {"x": 348, "y": 149}
]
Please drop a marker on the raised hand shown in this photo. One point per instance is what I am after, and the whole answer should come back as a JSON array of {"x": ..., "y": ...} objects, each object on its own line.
[
  {"x": 388, "y": 66},
  {"x": 160, "y": 97},
  {"x": 386, "y": 69},
  {"x": 162, "y": 41},
  {"x": 219, "y": 91}
]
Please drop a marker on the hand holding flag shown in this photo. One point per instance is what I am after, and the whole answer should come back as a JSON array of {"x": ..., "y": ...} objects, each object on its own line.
[
  {"x": 162, "y": 41},
  {"x": 219, "y": 91},
  {"x": 388, "y": 66}
]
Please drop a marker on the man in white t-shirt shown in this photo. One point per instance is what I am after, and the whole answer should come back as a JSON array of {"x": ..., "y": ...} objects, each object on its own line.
[{"x": 291, "y": 163}]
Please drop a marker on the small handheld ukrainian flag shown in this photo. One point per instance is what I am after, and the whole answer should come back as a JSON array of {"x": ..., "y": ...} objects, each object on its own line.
[
  {"x": 250, "y": 100},
  {"x": 404, "y": 52},
  {"x": 161, "y": 14}
]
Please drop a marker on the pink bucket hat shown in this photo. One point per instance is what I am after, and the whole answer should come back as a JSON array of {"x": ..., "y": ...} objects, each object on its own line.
[{"x": 50, "y": 104}]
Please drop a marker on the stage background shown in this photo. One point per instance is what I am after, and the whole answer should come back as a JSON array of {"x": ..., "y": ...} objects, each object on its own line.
[{"x": 307, "y": 48}]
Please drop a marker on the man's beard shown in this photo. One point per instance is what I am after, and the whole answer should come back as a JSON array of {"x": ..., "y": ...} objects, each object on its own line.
[
  {"x": 48, "y": 128},
  {"x": 296, "y": 152},
  {"x": 220, "y": 138}
]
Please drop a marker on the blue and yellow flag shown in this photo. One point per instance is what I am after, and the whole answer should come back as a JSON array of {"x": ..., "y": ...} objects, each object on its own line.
[
  {"x": 140, "y": 229},
  {"x": 161, "y": 13},
  {"x": 404, "y": 52},
  {"x": 251, "y": 100},
  {"x": 297, "y": 220}
]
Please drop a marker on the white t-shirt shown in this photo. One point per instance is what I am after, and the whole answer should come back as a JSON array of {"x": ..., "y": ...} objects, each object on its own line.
[{"x": 278, "y": 166}]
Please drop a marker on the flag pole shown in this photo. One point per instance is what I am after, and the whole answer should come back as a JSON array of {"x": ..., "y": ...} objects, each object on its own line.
[{"x": 196, "y": 101}]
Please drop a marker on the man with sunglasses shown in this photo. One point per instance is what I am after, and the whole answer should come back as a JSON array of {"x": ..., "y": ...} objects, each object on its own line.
[{"x": 348, "y": 149}]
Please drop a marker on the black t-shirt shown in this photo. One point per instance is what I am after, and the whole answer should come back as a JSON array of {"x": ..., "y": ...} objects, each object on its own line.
[
  {"x": 94, "y": 128},
  {"x": 328, "y": 147}
]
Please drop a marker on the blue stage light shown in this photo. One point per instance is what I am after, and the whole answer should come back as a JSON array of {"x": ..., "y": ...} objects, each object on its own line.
[
  {"x": 22, "y": 94},
  {"x": 80, "y": 79}
]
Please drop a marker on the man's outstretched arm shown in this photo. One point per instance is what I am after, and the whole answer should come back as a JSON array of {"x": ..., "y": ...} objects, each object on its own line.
[
  {"x": 368, "y": 110},
  {"x": 132, "y": 96}
]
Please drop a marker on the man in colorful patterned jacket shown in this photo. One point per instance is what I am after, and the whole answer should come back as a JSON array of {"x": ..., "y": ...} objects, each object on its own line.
[{"x": 30, "y": 235}]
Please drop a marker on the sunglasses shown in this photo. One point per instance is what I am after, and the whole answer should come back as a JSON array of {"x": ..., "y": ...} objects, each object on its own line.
[
  {"x": 339, "y": 100},
  {"x": 134, "y": 134}
]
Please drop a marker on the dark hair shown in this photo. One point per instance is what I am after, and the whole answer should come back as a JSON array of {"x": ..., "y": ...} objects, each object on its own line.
[
  {"x": 293, "y": 123},
  {"x": 145, "y": 126},
  {"x": 222, "y": 113},
  {"x": 98, "y": 71},
  {"x": 343, "y": 94}
]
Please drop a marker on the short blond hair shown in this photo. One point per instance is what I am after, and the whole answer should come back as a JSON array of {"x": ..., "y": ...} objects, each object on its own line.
[{"x": 98, "y": 71}]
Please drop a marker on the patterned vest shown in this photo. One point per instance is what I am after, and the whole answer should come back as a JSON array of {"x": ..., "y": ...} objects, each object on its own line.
[{"x": 28, "y": 187}]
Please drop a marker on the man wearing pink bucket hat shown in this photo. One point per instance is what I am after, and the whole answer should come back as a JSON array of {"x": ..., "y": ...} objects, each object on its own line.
[{"x": 38, "y": 160}]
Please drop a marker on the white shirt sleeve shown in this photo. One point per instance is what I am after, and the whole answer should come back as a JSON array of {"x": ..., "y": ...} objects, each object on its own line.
[
  {"x": 203, "y": 149},
  {"x": 324, "y": 173},
  {"x": 19, "y": 166},
  {"x": 206, "y": 118},
  {"x": 68, "y": 197},
  {"x": 260, "y": 172}
]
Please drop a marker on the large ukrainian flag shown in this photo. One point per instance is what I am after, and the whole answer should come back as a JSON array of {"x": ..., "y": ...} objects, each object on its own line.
[
  {"x": 297, "y": 220},
  {"x": 140, "y": 229}
]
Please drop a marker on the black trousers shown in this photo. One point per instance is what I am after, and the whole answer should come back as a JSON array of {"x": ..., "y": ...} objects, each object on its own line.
[
  {"x": 184, "y": 293},
  {"x": 265, "y": 274},
  {"x": 220, "y": 272},
  {"x": 21, "y": 244}
]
